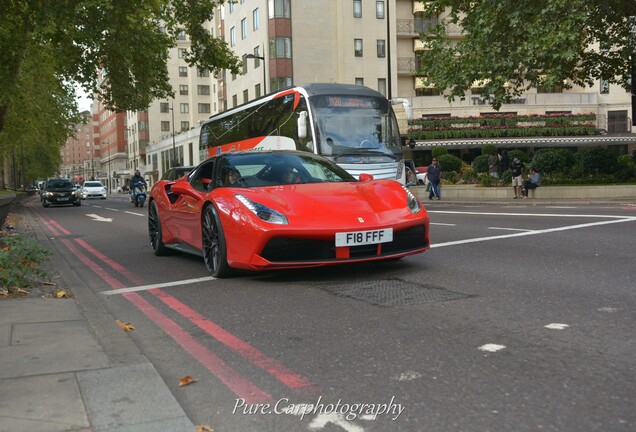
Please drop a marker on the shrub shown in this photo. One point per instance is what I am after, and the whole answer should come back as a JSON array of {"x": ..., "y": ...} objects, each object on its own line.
[
  {"x": 484, "y": 179},
  {"x": 448, "y": 162},
  {"x": 506, "y": 177},
  {"x": 520, "y": 154},
  {"x": 488, "y": 149},
  {"x": 469, "y": 175},
  {"x": 480, "y": 164},
  {"x": 551, "y": 160},
  {"x": 19, "y": 261},
  {"x": 451, "y": 177},
  {"x": 438, "y": 151},
  {"x": 597, "y": 160}
]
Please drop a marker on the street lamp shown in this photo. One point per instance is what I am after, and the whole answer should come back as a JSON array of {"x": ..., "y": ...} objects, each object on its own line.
[
  {"x": 255, "y": 57},
  {"x": 174, "y": 150}
]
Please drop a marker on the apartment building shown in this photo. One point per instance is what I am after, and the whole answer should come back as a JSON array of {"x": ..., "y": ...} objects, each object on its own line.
[
  {"x": 375, "y": 43},
  {"x": 80, "y": 155}
]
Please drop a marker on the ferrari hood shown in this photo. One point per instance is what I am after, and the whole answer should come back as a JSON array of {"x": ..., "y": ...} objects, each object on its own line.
[{"x": 326, "y": 201}]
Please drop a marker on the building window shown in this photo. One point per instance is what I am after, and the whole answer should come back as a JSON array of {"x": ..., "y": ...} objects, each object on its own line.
[
  {"x": 255, "y": 20},
  {"x": 185, "y": 125},
  {"x": 204, "y": 108},
  {"x": 203, "y": 73},
  {"x": 231, "y": 6},
  {"x": 243, "y": 28},
  {"x": 234, "y": 100},
  {"x": 357, "y": 8},
  {"x": 379, "y": 9},
  {"x": 246, "y": 96},
  {"x": 257, "y": 90},
  {"x": 604, "y": 86},
  {"x": 357, "y": 47},
  {"x": 183, "y": 71},
  {"x": 280, "y": 48},
  {"x": 164, "y": 107},
  {"x": 382, "y": 86},
  {"x": 360, "y": 81},
  {"x": 244, "y": 64},
  {"x": 280, "y": 83},
  {"x": 279, "y": 9},
  {"x": 232, "y": 36},
  {"x": 182, "y": 52},
  {"x": 381, "y": 48},
  {"x": 257, "y": 53},
  {"x": 203, "y": 90},
  {"x": 183, "y": 90},
  {"x": 165, "y": 126},
  {"x": 184, "y": 108},
  {"x": 181, "y": 35}
]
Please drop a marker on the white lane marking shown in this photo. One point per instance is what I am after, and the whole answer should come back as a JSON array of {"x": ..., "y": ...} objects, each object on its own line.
[
  {"x": 95, "y": 205},
  {"x": 530, "y": 214},
  {"x": 527, "y": 233},
  {"x": 444, "y": 224},
  {"x": 133, "y": 213},
  {"x": 161, "y": 285},
  {"x": 112, "y": 209},
  {"x": 561, "y": 207},
  {"x": 509, "y": 229},
  {"x": 491, "y": 347},
  {"x": 322, "y": 420},
  {"x": 556, "y": 326},
  {"x": 607, "y": 309},
  {"x": 98, "y": 218}
]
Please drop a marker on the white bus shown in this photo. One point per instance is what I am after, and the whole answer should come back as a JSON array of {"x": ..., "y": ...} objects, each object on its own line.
[{"x": 352, "y": 125}]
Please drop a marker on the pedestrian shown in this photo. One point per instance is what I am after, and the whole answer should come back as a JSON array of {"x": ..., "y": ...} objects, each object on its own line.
[
  {"x": 493, "y": 165},
  {"x": 434, "y": 176},
  {"x": 533, "y": 182},
  {"x": 504, "y": 162},
  {"x": 516, "y": 169}
]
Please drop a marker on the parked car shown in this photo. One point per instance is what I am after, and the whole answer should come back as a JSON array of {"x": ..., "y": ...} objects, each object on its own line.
[
  {"x": 282, "y": 210},
  {"x": 421, "y": 175},
  {"x": 60, "y": 191},
  {"x": 93, "y": 189},
  {"x": 176, "y": 172}
]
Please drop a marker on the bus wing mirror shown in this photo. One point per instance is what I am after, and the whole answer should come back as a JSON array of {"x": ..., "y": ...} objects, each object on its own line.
[{"x": 302, "y": 124}]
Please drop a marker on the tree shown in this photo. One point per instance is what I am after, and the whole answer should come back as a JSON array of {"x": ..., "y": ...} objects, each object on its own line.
[
  {"x": 510, "y": 46},
  {"x": 129, "y": 40}
]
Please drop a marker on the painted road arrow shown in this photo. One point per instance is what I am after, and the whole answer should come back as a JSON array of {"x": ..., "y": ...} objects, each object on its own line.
[{"x": 99, "y": 218}]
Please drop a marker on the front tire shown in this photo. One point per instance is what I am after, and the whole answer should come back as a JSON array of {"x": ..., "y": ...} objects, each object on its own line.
[
  {"x": 214, "y": 245},
  {"x": 154, "y": 231}
]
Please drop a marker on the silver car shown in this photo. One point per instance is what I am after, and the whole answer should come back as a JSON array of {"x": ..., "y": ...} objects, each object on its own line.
[{"x": 93, "y": 189}]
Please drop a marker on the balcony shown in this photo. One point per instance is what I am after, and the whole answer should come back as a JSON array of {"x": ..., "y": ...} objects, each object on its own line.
[{"x": 406, "y": 66}]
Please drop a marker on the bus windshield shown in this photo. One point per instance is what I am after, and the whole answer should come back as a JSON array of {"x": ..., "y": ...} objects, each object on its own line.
[{"x": 355, "y": 125}]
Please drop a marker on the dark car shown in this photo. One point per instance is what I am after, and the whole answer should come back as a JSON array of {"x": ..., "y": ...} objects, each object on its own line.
[
  {"x": 60, "y": 191},
  {"x": 176, "y": 172}
]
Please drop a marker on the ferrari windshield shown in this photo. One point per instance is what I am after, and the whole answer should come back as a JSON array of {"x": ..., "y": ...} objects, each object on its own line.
[
  {"x": 277, "y": 168},
  {"x": 348, "y": 125}
]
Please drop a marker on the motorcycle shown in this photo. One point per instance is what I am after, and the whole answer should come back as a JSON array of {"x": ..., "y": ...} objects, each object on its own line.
[{"x": 138, "y": 195}]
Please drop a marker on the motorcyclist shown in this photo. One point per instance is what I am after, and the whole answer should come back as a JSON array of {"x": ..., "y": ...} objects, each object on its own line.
[{"x": 137, "y": 180}]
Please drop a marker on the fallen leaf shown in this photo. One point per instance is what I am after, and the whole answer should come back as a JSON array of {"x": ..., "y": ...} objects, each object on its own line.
[
  {"x": 59, "y": 293},
  {"x": 125, "y": 326},
  {"x": 48, "y": 283},
  {"x": 186, "y": 380},
  {"x": 204, "y": 428}
]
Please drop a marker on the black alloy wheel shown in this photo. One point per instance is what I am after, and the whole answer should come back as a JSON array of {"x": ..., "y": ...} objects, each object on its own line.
[
  {"x": 214, "y": 249},
  {"x": 154, "y": 231}
]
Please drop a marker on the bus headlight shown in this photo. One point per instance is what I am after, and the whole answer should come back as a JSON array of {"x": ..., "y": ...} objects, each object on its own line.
[
  {"x": 412, "y": 202},
  {"x": 264, "y": 213}
]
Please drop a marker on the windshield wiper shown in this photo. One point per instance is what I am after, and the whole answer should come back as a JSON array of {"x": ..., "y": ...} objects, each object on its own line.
[{"x": 364, "y": 153}]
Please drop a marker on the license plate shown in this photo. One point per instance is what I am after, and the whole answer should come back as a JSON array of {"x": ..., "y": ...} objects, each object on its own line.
[
  {"x": 358, "y": 238},
  {"x": 63, "y": 199}
]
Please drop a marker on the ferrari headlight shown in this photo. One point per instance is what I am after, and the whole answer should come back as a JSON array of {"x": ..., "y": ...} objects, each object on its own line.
[
  {"x": 412, "y": 202},
  {"x": 264, "y": 213}
]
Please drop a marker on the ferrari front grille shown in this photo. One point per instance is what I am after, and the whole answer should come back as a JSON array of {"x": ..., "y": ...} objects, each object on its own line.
[{"x": 291, "y": 249}]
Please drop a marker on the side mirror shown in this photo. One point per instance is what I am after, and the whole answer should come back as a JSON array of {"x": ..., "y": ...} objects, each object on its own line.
[
  {"x": 302, "y": 124},
  {"x": 364, "y": 177}
]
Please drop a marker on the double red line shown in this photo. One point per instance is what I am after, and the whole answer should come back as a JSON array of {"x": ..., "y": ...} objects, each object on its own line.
[{"x": 237, "y": 383}]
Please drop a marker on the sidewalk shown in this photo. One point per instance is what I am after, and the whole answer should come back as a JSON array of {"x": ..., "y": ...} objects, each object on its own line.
[{"x": 65, "y": 365}]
